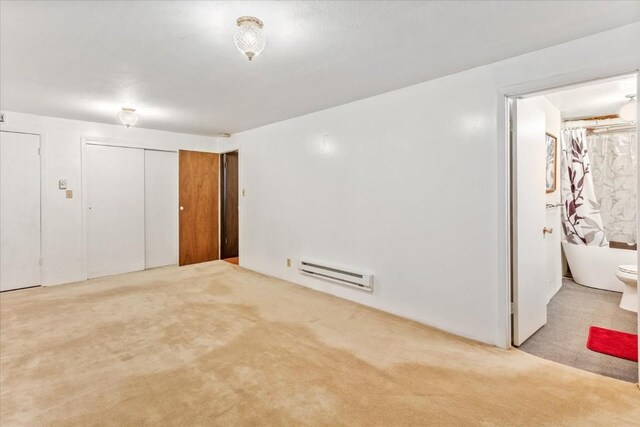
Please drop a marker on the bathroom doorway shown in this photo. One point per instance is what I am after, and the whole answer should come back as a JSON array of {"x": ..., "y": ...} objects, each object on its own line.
[{"x": 574, "y": 189}]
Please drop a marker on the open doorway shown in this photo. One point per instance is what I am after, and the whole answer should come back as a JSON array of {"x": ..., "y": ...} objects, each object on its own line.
[
  {"x": 574, "y": 219},
  {"x": 229, "y": 237}
]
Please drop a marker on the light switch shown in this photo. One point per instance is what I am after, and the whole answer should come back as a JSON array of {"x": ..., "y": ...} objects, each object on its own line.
[
  {"x": 69, "y": 194},
  {"x": 62, "y": 184}
]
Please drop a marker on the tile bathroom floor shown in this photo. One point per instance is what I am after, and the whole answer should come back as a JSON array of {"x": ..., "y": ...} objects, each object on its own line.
[{"x": 570, "y": 313}]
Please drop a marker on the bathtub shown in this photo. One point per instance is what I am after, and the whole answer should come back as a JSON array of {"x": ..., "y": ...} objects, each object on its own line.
[{"x": 595, "y": 266}]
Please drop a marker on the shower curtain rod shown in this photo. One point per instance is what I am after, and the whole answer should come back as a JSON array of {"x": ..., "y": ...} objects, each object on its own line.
[
  {"x": 600, "y": 124},
  {"x": 610, "y": 129}
]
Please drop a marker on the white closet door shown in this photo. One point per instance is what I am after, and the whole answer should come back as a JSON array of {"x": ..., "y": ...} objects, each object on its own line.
[
  {"x": 161, "y": 208},
  {"x": 19, "y": 210},
  {"x": 115, "y": 217}
]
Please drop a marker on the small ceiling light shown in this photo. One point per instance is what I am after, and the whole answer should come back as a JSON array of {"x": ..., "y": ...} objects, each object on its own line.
[
  {"x": 249, "y": 37},
  {"x": 128, "y": 116},
  {"x": 629, "y": 111}
]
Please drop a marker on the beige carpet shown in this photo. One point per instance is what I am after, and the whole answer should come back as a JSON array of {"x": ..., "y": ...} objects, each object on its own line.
[{"x": 215, "y": 344}]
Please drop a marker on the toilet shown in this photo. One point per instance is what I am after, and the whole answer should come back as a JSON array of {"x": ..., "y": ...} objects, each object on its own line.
[{"x": 628, "y": 274}]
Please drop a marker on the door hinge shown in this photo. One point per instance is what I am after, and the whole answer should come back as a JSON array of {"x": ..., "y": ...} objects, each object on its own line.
[
  {"x": 512, "y": 308},
  {"x": 40, "y": 261},
  {"x": 38, "y": 151}
]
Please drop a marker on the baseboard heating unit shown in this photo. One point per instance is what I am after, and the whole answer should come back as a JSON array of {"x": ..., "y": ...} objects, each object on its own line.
[{"x": 347, "y": 277}]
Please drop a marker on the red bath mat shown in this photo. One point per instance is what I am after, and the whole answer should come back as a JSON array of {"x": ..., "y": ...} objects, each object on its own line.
[{"x": 613, "y": 343}]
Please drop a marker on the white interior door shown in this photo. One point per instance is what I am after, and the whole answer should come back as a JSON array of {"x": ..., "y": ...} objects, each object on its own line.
[
  {"x": 115, "y": 216},
  {"x": 19, "y": 210},
  {"x": 161, "y": 208},
  {"x": 638, "y": 216},
  {"x": 530, "y": 293}
]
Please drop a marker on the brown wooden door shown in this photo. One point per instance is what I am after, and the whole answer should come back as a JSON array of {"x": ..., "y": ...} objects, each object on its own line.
[
  {"x": 229, "y": 241},
  {"x": 199, "y": 200}
]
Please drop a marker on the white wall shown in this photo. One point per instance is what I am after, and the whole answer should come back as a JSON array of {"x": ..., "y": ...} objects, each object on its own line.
[
  {"x": 410, "y": 185},
  {"x": 553, "y": 123},
  {"x": 61, "y": 141}
]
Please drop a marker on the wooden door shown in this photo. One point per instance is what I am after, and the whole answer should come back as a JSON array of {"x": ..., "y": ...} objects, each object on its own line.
[
  {"x": 199, "y": 213},
  {"x": 229, "y": 241}
]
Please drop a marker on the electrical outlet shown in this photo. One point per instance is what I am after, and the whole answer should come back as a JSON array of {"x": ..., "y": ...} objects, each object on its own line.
[
  {"x": 1, "y": 117},
  {"x": 62, "y": 184},
  {"x": 288, "y": 262}
]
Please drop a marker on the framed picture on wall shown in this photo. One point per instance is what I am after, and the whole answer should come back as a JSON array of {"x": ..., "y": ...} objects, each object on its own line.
[{"x": 552, "y": 153}]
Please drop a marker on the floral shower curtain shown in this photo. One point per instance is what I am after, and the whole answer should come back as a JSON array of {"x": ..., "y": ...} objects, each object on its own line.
[
  {"x": 581, "y": 219},
  {"x": 614, "y": 166}
]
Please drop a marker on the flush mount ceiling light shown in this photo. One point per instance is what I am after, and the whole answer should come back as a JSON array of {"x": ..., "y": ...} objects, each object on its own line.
[
  {"x": 128, "y": 116},
  {"x": 629, "y": 111},
  {"x": 249, "y": 37}
]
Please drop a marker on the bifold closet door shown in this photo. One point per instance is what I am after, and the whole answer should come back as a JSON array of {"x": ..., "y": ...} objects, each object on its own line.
[
  {"x": 115, "y": 216},
  {"x": 161, "y": 208},
  {"x": 19, "y": 210},
  {"x": 199, "y": 206}
]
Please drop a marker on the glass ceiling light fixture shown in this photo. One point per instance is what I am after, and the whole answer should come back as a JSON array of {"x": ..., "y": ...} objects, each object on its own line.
[
  {"x": 629, "y": 111},
  {"x": 128, "y": 116},
  {"x": 249, "y": 37}
]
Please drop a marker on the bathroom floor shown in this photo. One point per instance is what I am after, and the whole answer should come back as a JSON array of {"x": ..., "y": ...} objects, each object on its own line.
[{"x": 564, "y": 338}]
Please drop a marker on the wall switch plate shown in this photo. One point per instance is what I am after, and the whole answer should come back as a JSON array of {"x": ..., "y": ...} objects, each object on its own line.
[
  {"x": 62, "y": 184},
  {"x": 69, "y": 194},
  {"x": 243, "y": 192}
]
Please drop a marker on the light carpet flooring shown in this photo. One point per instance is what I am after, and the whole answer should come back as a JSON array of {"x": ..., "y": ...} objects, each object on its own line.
[
  {"x": 215, "y": 344},
  {"x": 570, "y": 313}
]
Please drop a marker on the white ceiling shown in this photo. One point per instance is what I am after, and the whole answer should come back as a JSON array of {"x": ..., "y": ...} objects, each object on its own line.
[
  {"x": 595, "y": 99},
  {"x": 177, "y": 64}
]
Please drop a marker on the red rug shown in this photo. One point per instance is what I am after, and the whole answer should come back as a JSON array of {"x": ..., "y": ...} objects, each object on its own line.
[{"x": 613, "y": 343}]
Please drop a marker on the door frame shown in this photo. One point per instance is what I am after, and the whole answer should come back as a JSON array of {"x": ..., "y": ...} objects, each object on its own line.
[
  {"x": 84, "y": 202},
  {"x": 240, "y": 197},
  {"x": 223, "y": 197},
  {"x": 506, "y": 168},
  {"x": 41, "y": 160}
]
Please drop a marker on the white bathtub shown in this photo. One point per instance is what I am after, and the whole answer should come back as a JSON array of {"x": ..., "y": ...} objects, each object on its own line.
[{"x": 595, "y": 266}]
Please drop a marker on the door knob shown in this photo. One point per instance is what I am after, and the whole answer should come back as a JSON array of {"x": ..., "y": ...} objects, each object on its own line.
[
  {"x": 546, "y": 230},
  {"x": 181, "y": 208}
]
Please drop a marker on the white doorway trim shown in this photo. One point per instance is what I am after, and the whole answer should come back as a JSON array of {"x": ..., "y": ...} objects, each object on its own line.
[{"x": 506, "y": 95}]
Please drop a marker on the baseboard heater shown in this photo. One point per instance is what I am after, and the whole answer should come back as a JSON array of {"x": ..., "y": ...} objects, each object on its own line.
[{"x": 355, "y": 279}]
